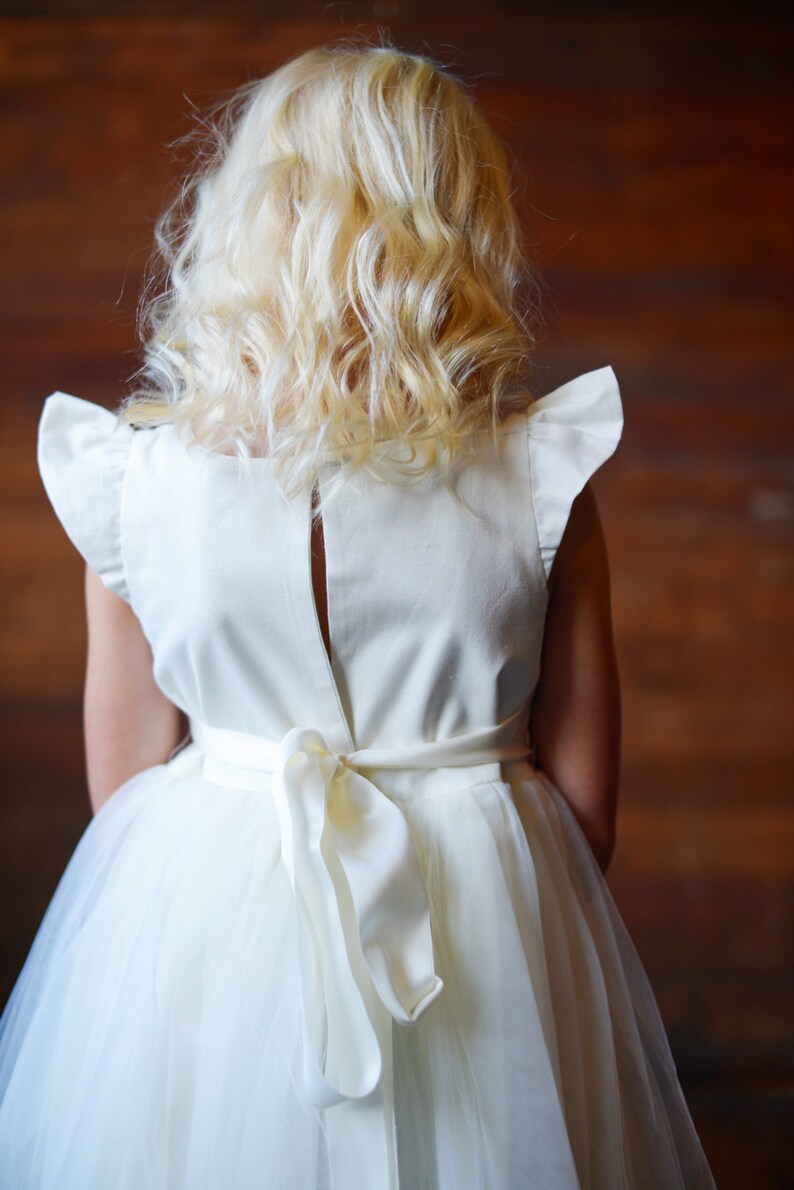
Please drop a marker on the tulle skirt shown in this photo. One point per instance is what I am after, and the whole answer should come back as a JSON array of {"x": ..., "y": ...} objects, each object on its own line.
[{"x": 153, "y": 1038}]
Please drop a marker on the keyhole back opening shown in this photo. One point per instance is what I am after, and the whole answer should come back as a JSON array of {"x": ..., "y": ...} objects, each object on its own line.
[{"x": 319, "y": 575}]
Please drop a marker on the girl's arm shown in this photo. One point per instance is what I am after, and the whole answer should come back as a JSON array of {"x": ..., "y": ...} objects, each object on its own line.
[
  {"x": 576, "y": 722},
  {"x": 129, "y": 724}
]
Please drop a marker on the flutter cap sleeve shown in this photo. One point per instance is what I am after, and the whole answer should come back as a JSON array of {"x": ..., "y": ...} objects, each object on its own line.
[
  {"x": 82, "y": 453},
  {"x": 572, "y": 431}
]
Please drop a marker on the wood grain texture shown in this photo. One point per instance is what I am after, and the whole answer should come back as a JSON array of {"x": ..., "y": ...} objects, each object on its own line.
[{"x": 654, "y": 176}]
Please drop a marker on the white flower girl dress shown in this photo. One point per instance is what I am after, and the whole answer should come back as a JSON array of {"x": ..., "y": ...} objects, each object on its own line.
[{"x": 347, "y": 938}]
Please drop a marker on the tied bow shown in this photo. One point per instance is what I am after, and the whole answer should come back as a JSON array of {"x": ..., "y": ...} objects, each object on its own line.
[
  {"x": 365, "y": 950},
  {"x": 363, "y": 914}
]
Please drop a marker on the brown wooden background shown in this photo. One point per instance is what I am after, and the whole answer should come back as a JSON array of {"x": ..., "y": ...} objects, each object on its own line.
[{"x": 656, "y": 171}]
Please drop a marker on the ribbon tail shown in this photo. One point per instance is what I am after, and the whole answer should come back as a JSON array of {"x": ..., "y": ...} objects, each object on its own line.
[
  {"x": 365, "y": 949},
  {"x": 341, "y": 1053},
  {"x": 387, "y": 890}
]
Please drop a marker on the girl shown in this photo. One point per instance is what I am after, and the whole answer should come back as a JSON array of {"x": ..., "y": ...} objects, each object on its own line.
[{"x": 354, "y": 933}]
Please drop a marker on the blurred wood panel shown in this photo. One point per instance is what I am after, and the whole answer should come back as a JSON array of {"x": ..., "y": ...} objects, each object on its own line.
[{"x": 654, "y": 175}]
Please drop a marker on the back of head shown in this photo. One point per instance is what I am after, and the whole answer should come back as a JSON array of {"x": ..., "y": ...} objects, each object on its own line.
[{"x": 343, "y": 271}]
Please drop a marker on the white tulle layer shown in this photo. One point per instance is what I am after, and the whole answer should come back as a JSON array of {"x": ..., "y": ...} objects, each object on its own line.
[{"x": 152, "y": 1038}]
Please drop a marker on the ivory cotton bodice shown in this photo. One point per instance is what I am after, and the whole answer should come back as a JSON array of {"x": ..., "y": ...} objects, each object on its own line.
[{"x": 435, "y": 613}]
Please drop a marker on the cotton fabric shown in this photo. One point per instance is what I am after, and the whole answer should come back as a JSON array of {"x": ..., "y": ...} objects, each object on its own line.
[{"x": 157, "y": 1036}]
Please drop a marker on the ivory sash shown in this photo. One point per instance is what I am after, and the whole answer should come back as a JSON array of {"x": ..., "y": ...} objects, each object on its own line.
[{"x": 365, "y": 948}]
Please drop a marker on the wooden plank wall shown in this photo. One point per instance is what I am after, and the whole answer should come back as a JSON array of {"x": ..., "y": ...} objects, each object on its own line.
[{"x": 654, "y": 174}]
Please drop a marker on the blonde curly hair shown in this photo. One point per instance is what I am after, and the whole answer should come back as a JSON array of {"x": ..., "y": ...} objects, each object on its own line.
[{"x": 341, "y": 274}]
